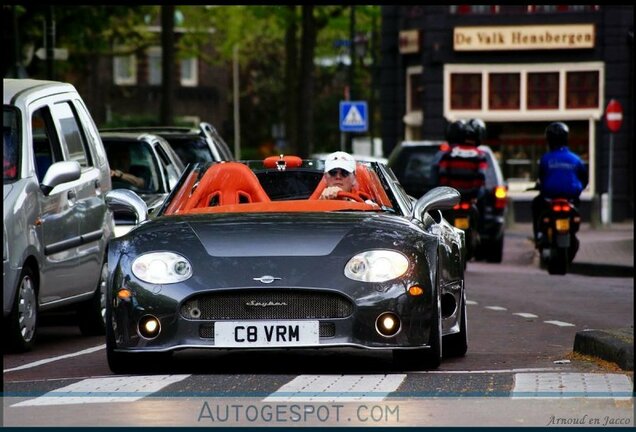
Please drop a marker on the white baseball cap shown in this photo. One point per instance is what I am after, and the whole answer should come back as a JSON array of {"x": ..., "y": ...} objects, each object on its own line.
[{"x": 340, "y": 159}]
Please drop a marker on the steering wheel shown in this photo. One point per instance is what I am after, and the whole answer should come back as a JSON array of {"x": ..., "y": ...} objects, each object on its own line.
[{"x": 344, "y": 195}]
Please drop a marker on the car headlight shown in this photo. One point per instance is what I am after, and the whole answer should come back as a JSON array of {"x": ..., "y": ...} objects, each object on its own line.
[
  {"x": 161, "y": 268},
  {"x": 376, "y": 266}
]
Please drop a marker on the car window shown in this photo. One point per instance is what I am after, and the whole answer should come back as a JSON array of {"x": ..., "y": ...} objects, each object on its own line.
[
  {"x": 72, "y": 134},
  {"x": 170, "y": 170},
  {"x": 191, "y": 150},
  {"x": 136, "y": 158},
  {"x": 10, "y": 140},
  {"x": 46, "y": 147}
]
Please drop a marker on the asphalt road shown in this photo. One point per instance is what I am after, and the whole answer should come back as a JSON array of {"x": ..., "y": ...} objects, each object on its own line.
[{"x": 519, "y": 370}]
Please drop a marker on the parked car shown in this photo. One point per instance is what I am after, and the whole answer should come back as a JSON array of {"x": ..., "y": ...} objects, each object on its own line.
[
  {"x": 200, "y": 144},
  {"x": 412, "y": 163},
  {"x": 147, "y": 157},
  {"x": 245, "y": 255},
  {"x": 56, "y": 224}
]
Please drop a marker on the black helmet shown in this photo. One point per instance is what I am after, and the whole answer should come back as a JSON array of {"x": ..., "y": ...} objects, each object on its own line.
[
  {"x": 476, "y": 130},
  {"x": 557, "y": 135},
  {"x": 456, "y": 132}
]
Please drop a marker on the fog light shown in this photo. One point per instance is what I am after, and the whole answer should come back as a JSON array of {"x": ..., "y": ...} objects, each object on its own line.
[
  {"x": 149, "y": 327},
  {"x": 387, "y": 324}
]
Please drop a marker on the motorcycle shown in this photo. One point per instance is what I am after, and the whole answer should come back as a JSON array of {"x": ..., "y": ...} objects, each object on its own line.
[
  {"x": 465, "y": 216},
  {"x": 557, "y": 241}
]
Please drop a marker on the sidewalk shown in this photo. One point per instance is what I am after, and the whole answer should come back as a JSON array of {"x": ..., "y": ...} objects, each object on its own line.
[{"x": 609, "y": 252}]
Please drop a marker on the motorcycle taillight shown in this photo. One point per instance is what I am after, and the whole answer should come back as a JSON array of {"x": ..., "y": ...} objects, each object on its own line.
[{"x": 561, "y": 208}]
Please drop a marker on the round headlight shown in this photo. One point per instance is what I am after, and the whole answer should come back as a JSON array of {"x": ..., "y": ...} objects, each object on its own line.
[
  {"x": 161, "y": 268},
  {"x": 376, "y": 266}
]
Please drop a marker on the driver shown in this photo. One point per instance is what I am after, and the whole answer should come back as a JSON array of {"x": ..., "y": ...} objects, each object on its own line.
[{"x": 340, "y": 169}]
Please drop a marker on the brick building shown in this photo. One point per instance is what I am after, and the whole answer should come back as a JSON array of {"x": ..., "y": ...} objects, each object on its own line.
[{"x": 518, "y": 68}]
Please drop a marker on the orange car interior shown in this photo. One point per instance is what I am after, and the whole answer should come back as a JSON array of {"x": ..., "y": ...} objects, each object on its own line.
[{"x": 235, "y": 188}]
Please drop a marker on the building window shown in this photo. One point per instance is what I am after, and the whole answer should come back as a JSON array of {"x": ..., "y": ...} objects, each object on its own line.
[
  {"x": 125, "y": 70},
  {"x": 543, "y": 90},
  {"x": 474, "y": 9},
  {"x": 466, "y": 91},
  {"x": 582, "y": 89},
  {"x": 189, "y": 72},
  {"x": 503, "y": 91},
  {"x": 154, "y": 65}
]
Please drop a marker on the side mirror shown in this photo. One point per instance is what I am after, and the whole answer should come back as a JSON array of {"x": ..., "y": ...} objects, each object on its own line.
[
  {"x": 126, "y": 201},
  {"x": 439, "y": 198},
  {"x": 58, "y": 173}
]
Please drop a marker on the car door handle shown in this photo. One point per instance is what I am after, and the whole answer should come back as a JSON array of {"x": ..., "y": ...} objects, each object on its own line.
[
  {"x": 98, "y": 185},
  {"x": 71, "y": 195}
]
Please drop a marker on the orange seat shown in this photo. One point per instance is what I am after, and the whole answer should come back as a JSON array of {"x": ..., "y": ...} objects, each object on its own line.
[{"x": 225, "y": 184}]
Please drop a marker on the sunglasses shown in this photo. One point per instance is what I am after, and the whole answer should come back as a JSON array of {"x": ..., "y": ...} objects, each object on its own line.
[{"x": 334, "y": 172}]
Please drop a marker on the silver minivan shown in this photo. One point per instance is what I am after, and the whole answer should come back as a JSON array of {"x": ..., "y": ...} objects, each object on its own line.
[{"x": 56, "y": 224}]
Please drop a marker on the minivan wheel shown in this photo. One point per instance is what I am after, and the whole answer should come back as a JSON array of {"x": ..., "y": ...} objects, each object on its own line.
[
  {"x": 23, "y": 319},
  {"x": 92, "y": 313}
]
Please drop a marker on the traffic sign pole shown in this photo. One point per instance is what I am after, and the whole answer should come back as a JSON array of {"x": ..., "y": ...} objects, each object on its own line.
[{"x": 613, "y": 120}]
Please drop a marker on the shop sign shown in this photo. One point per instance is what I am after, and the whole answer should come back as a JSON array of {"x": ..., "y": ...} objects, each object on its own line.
[{"x": 530, "y": 37}]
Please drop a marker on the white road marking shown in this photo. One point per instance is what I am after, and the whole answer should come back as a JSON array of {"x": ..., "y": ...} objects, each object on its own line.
[
  {"x": 337, "y": 388},
  {"x": 471, "y": 302},
  {"x": 526, "y": 315},
  {"x": 560, "y": 323},
  {"x": 105, "y": 390},
  {"x": 496, "y": 308},
  {"x": 52, "y": 359},
  {"x": 571, "y": 385}
]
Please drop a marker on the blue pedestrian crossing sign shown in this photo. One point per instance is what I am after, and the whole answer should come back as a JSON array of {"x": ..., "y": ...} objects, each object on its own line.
[{"x": 354, "y": 116}]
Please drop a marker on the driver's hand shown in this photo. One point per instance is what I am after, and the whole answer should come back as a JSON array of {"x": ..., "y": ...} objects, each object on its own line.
[{"x": 330, "y": 192}]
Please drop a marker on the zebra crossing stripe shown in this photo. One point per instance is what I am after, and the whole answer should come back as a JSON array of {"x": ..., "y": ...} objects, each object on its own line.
[
  {"x": 571, "y": 385},
  {"x": 105, "y": 390},
  {"x": 337, "y": 388}
]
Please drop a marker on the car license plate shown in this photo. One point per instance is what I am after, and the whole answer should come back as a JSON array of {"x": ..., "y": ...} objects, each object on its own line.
[
  {"x": 562, "y": 224},
  {"x": 265, "y": 333},
  {"x": 461, "y": 223}
]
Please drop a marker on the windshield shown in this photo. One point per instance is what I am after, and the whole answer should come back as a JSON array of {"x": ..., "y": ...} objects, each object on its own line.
[
  {"x": 269, "y": 186},
  {"x": 10, "y": 140}
]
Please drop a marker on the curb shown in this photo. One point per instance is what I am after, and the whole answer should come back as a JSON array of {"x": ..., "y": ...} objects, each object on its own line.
[
  {"x": 606, "y": 270},
  {"x": 616, "y": 345}
]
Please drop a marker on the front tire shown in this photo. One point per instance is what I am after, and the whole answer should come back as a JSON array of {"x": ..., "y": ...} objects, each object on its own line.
[
  {"x": 23, "y": 320},
  {"x": 456, "y": 345},
  {"x": 423, "y": 358}
]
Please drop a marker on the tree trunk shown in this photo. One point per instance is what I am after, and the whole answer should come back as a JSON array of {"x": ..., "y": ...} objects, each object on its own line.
[
  {"x": 306, "y": 102},
  {"x": 167, "y": 65},
  {"x": 291, "y": 83}
]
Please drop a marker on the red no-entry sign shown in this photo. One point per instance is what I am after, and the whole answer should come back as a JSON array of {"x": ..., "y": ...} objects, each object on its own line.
[{"x": 614, "y": 115}]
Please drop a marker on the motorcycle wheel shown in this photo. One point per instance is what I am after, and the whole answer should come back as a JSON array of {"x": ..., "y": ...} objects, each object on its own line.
[{"x": 559, "y": 262}]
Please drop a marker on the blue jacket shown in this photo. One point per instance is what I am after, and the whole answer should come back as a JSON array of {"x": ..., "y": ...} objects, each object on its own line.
[{"x": 562, "y": 174}]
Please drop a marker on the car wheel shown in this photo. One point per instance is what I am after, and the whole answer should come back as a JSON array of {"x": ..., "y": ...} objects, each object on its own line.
[
  {"x": 494, "y": 250},
  {"x": 456, "y": 345},
  {"x": 23, "y": 319},
  {"x": 92, "y": 313}
]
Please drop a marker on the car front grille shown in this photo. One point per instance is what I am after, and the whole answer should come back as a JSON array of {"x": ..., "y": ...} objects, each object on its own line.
[
  {"x": 325, "y": 330},
  {"x": 267, "y": 304}
]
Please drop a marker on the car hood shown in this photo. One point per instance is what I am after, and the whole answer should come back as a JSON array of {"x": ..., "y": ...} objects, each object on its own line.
[{"x": 277, "y": 235}]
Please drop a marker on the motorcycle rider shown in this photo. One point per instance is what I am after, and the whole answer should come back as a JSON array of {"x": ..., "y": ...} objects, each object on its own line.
[
  {"x": 463, "y": 165},
  {"x": 562, "y": 174}
]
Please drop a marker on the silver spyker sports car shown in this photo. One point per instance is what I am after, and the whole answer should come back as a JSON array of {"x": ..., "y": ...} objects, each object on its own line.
[{"x": 242, "y": 255}]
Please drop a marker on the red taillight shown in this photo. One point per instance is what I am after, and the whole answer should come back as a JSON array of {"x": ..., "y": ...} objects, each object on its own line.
[
  {"x": 501, "y": 193},
  {"x": 560, "y": 208},
  {"x": 465, "y": 206},
  {"x": 444, "y": 147},
  {"x": 456, "y": 206},
  {"x": 556, "y": 208}
]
